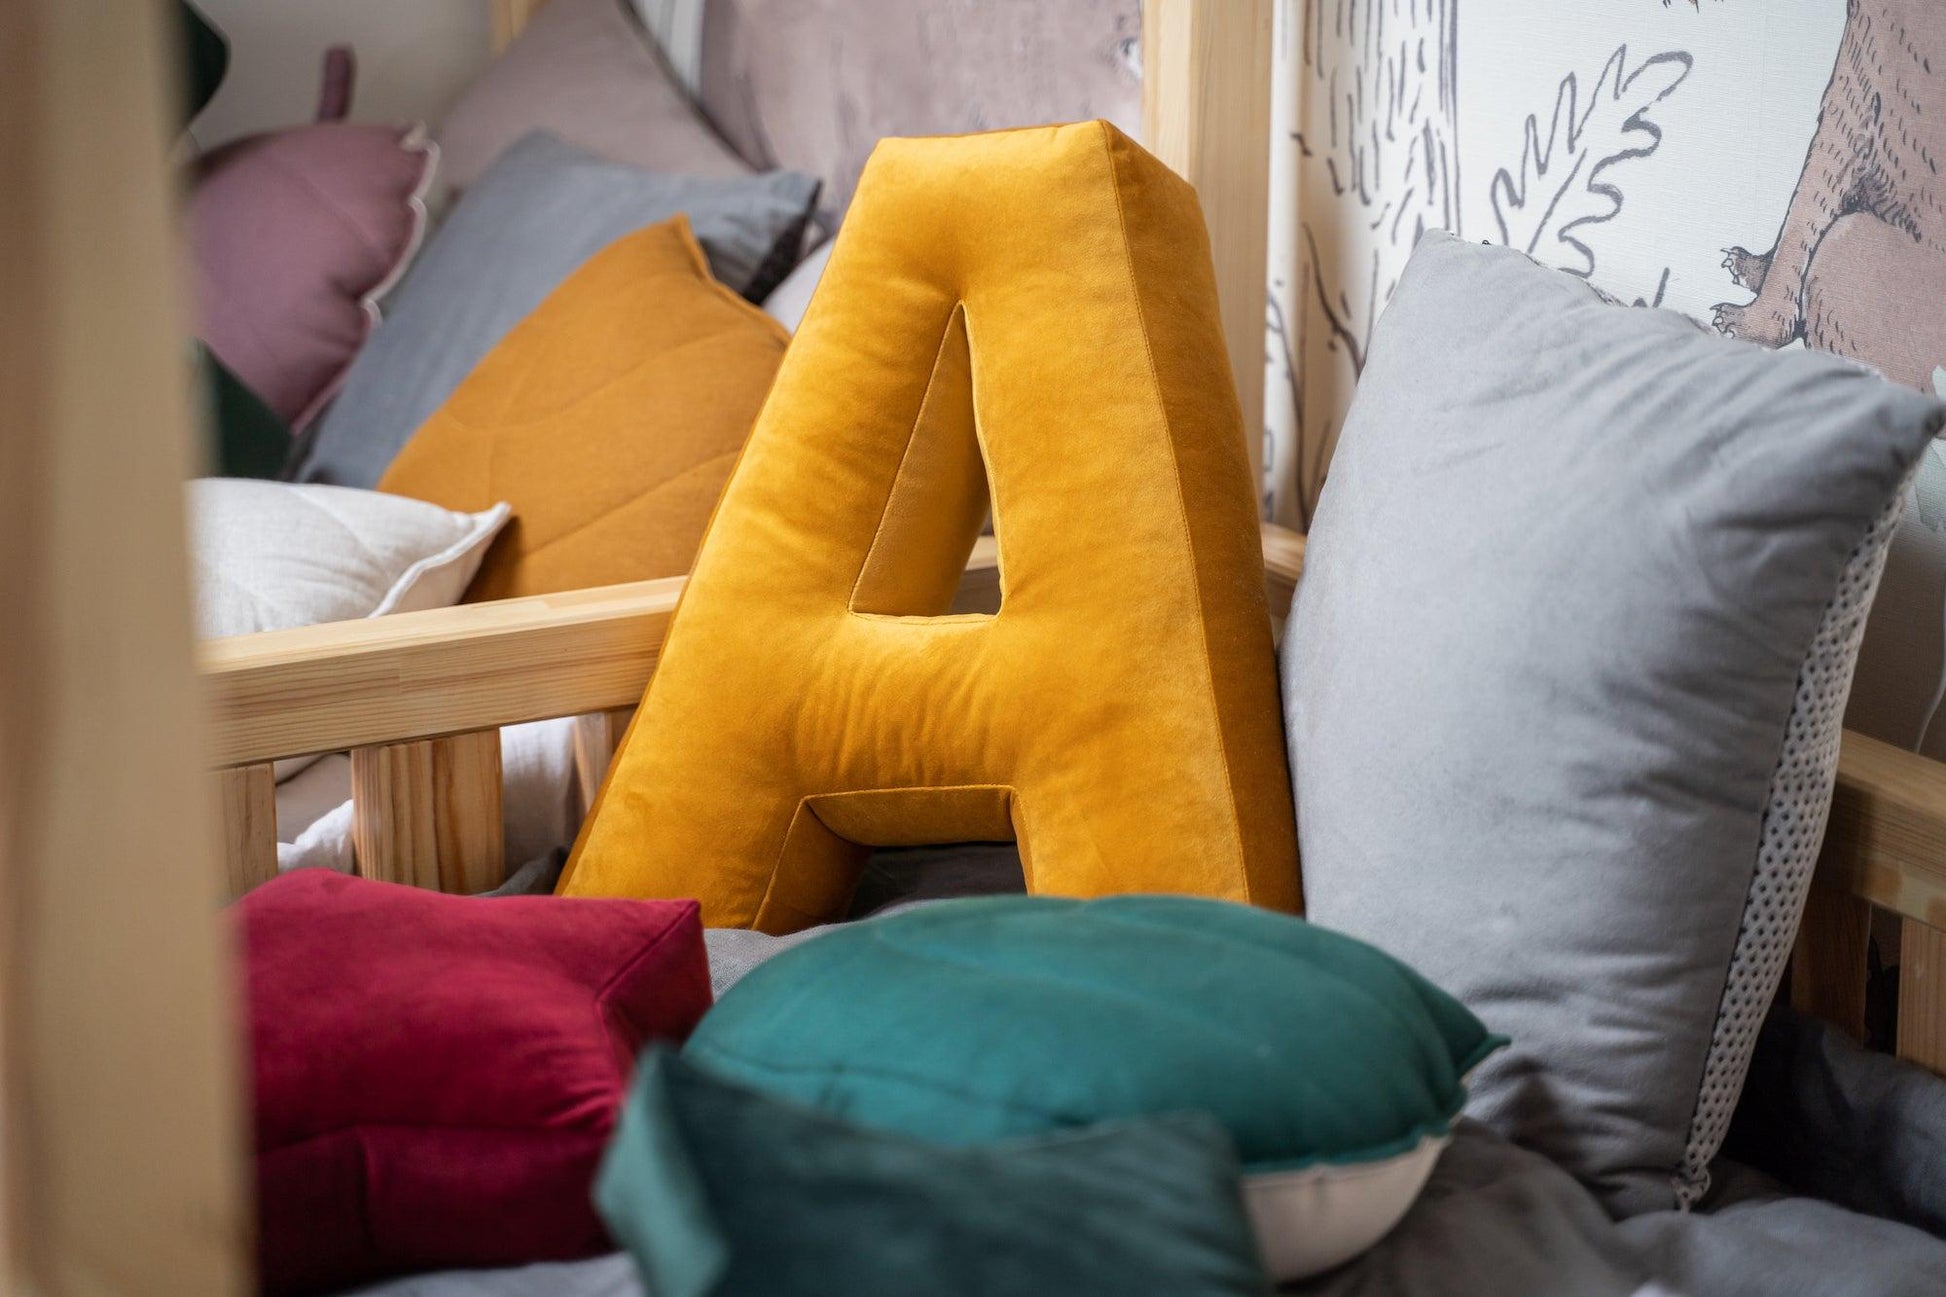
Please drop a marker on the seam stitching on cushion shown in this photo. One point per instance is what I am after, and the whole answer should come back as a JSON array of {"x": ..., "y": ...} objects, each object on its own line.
[
  {"x": 1690, "y": 1180},
  {"x": 1358, "y": 1164},
  {"x": 481, "y": 528},
  {"x": 633, "y": 502},
  {"x": 804, "y": 807},
  {"x": 413, "y": 140},
  {"x": 605, "y": 1010},
  {"x": 1234, "y": 816},
  {"x": 662, "y": 358},
  {"x": 777, "y": 865},
  {"x": 1108, "y": 993}
]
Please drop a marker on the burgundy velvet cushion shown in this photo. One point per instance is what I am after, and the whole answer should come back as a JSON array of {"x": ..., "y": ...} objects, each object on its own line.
[
  {"x": 294, "y": 235},
  {"x": 436, "y": 1076}
]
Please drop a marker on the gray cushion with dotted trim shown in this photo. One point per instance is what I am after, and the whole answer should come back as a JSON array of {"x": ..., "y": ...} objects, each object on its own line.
[{"x": 1564, "y": 682}]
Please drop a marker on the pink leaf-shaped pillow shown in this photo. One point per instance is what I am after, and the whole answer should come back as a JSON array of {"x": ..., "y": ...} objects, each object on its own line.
[{"x": 294, "y": 235}]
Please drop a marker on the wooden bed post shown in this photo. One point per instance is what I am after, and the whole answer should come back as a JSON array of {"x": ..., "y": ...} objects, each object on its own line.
[
  {"x": 1206, "y": 112},
  {"x": 507, "y": 17},
  {"x": 120, "y": 1133}
]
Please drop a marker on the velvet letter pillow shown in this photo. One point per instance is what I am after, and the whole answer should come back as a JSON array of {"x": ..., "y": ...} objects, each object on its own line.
[
  {"x": 1564, "y": 681},
  {"x": 435, "y": 1076},
  {"x": 609, "y": 419},
  {"x": 817, "y": 694},
  {"x": 295, "y": 236},
  {"x": 720, "y": 1191},
  {"x": 1336, "y": 1069}
]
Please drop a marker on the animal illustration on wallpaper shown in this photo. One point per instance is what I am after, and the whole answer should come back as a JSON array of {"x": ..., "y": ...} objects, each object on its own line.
[
  {"x": 1562, "y": 186},
  {"x": 1377, "y": 163},
  {"x": 1859, "y": 266}
]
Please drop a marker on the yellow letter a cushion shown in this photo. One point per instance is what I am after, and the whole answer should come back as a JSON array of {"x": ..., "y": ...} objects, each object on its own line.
[{"x": 1042, "y": 298}]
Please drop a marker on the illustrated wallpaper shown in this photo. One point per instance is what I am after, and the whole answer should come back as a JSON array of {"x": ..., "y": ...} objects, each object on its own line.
[{"x": 1772, "y": 166}]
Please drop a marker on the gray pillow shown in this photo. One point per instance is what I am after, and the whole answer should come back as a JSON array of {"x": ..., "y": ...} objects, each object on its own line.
[
  {"x": 1563, "y": 683},
  {"x": 540, "y": 211}
]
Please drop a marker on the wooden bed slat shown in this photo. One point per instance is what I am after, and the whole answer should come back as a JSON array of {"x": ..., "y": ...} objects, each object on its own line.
[
  {"x": 427, "y": 813},
  {"x": 248, "y": 798},
  {"x": 420, "y": 675},
  {"x": 1206, "y": 112},
  {"x": 1828, "y": 963},
  {"x": 596, "y": 736},
  {"x": 1922, "y": 995},
  {"x": 1887, "y": 839},
  {"x": 506, "y": 18},
  {"x": 394, "y": 683}
]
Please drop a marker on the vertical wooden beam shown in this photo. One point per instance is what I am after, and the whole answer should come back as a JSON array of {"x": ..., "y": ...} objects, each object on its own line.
[
  {"x": 392, "y": 835},
  {"x": 596, "y": 737},
  {"x": 121, "y": 1133},
  {"x": 247, "y": 801},
  {"x": 508, "y": 17},
  {"x": 1922, "y": 995},
  {"x": 427, "y": 813},
  {"x": 1828, "y": 965},
  {"x": 466, "y": 812},
  {"x": 1206, "y": 111}
]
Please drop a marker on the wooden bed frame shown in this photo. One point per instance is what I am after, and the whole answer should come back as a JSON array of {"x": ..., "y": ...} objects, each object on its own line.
[
  {"x": 416, "y": 699},
  {"x": 120, "y": 1167}
]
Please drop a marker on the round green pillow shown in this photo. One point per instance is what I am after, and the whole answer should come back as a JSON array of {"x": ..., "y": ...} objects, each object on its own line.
[{"x": 1337, "y": 1069}]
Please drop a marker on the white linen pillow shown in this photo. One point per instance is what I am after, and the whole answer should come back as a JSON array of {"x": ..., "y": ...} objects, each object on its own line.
[
  {"x": 276, "y": 555},
  {"x": 273, "y": 555}
]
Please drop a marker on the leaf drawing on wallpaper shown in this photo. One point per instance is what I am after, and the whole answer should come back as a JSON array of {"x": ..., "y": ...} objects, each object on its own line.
[
  {"x": 1376, "y": 163},
  {"x": 1562, "y": 185}
]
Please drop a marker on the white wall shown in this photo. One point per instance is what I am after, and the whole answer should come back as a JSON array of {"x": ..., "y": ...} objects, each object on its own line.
[{"x": 414, "y": 58}]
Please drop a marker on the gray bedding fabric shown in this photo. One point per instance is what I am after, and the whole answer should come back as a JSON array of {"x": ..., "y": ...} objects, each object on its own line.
[
  {"x": 1824, "y": 1117},
  {"x": 1832, "y": 1121},
  {"x": 1496, "y": 1219}
]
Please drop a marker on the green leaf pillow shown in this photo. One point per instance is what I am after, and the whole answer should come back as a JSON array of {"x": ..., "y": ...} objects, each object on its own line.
[{"x": 1336, "y": 1069}]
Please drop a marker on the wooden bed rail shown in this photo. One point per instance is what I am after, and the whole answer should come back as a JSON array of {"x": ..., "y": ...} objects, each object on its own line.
[{"x": 417, "y": 699}]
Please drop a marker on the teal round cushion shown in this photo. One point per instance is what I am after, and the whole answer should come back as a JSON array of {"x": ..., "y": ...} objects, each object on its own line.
[{"x": 971, "y": 1021}]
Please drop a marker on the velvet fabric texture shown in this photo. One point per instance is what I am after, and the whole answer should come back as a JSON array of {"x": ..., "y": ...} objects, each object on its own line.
[
  {"x": 294, "y": 236},
  {"x": 436, "y": 1076},
  {"x": 1043, "y": 299},
  {"x": 968, "y": 1021},
  {"x": 1336, "y": 1069},
  {"x": 609, "y": 419},
  {"x": 719, "y": 1191}
]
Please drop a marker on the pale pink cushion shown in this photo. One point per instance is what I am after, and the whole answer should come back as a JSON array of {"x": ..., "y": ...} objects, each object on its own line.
[
  {"x": 813, "y": 85},
  {"x": 294, "y": 235},
  {"x": 583, "y": 70}
]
